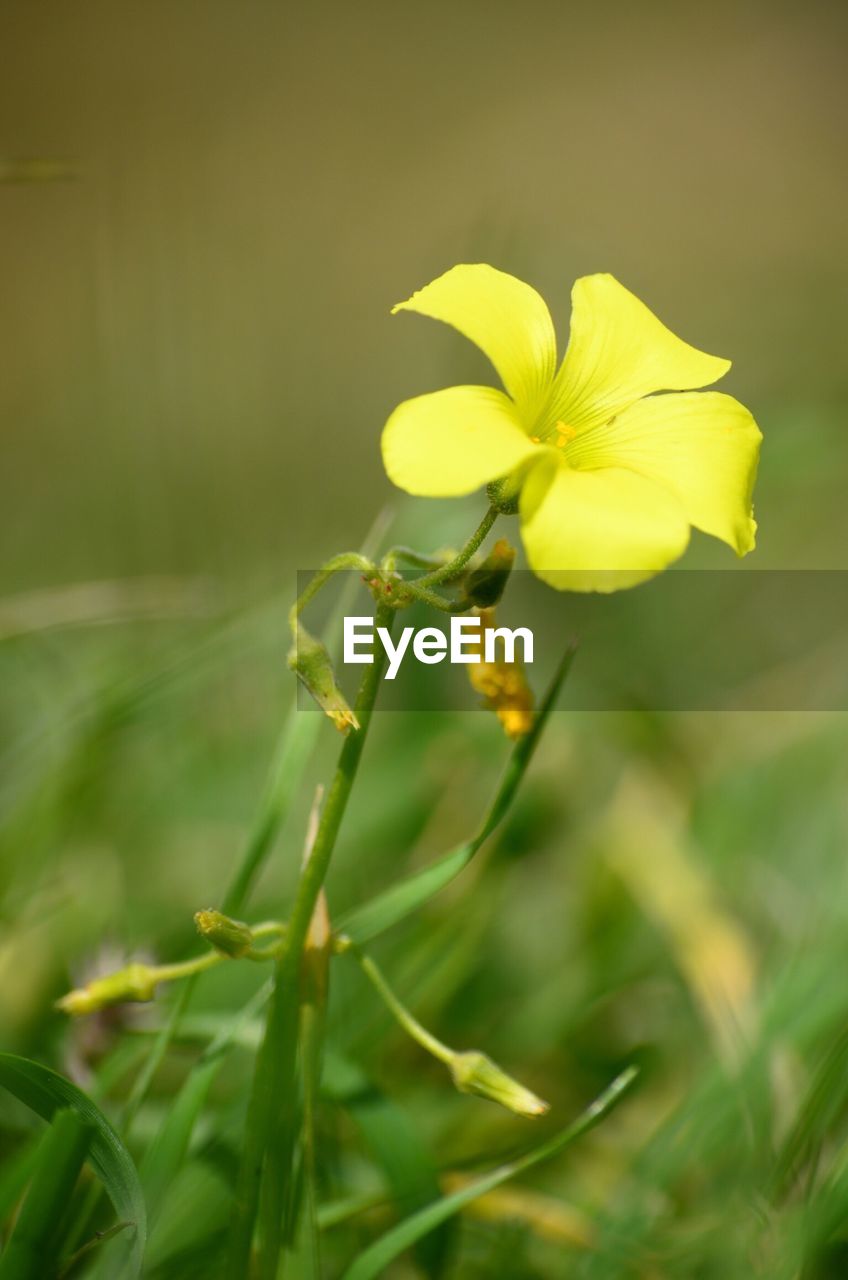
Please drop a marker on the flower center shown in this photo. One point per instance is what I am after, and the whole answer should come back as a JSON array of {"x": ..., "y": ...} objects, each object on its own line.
[{"x": 564, "y": 435}]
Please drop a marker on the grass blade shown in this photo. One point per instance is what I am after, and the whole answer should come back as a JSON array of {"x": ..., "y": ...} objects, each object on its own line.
[
  {"x": 45, "y": 1092},
  {"x": 167, "y": 1152},
  {"x": 96, "y": 1242},
  {"x": 34, "y": 1245},
  {"x": 408, "y": 1167},
  {"x": 16, "y": 1173},
  {"x": 389, "y": 908},
  {"x": 372, "y": 1263}
]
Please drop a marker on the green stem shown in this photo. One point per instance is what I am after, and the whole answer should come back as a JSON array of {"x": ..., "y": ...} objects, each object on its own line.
[
  {"x": 312, "y": 1027},
  {"x": 433, "y": 599},
  {"x": 411, "y": 556},
  {"x": 455, "y": 566},
  {"x": 294, "y": 744},
  {"x": 274, "y": 1077},
  {"x": 347, "y": 560},
  {"x": 186, "y": 968},
  {"x": 410, "y": 1024}
]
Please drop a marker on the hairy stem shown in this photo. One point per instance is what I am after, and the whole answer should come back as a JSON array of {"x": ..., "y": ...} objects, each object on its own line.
[
  {"x": 347, "y": 560},
  {"x": 455, "y": 567}
]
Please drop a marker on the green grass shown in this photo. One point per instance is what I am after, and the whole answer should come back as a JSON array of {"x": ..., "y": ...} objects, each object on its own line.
[{"x": 664, "y": 890}]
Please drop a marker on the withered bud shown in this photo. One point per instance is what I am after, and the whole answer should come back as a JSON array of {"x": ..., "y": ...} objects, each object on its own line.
[
  {"x": 134, "y": 984},
  {"x": 485, "y": 584},
  {"x": 311, "y": 663}
]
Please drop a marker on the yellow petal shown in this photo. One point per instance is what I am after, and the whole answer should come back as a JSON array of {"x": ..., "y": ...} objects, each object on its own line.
[
  {"x": 505, "y": 318},
  {"x": 619, "y": 352},
  {"x": 598, "y": 530},
  {"x": 453, "y": 441},
  {"x": 703, "y": 446}
]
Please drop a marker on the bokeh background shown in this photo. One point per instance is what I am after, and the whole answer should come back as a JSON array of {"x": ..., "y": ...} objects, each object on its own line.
[
  {"x": 207, "y": 210},
  {"x": 198, "y": 349}
]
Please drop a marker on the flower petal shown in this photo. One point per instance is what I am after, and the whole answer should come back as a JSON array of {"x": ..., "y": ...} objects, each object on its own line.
[
  {"x": 506, "y": 318},
  {"x": 598, "y": 530},
  {"x": 453, "y": 441},
  {"x": 703, "y": 446},
  {"x": 619, "y": 352}
]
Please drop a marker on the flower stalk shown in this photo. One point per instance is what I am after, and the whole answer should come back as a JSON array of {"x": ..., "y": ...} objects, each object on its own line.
[
  {"x": 471, "y": 1070},
  {"x": 137, "y": 983},
  {"x": 134, "y": 984},
  {"x": 454, "y": 568},
  {"x": 275, "y": 1064}
]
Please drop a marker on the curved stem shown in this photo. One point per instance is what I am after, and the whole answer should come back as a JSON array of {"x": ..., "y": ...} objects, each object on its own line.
[
  {"x": 432, "y": 598},
  {"x": 455, "y": 567},
  {"x": 347, "y": 560},
  {"x": 411, "y": 556},
  {"x": 186, "y": 968},
  {"x": 410, "y": 1024}
]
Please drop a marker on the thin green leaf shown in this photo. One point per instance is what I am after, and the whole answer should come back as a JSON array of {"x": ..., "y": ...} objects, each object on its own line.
[
  {"x": 822, "y": 1110},
  {"x": 168, "y": 1150},
  {"x": 372, "y": 1263},
  {"x": 392, "y": 906},
  {"x": 335, "y": 1212},
  {"x": 96, "y": 1242},
  {"x": 44, "y": 1091},
  {"x": 34, "y": 1245},
  {"x": 16, "y": 1173},
  {"x": 408, "y": 1167}
]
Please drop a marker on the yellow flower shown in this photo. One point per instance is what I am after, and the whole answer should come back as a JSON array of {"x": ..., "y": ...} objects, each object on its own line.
[{"x": 608, "y": 475}]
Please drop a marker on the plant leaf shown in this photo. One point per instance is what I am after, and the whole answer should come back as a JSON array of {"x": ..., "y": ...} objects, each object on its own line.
[
  {"x": 36, "y": 1240},
  {"x": 44, "y": 1092},
  {"x": 166, "y": 1153},
  {"x": 408, "y": 1167},
  {"x": 372, "y": 1263},
  {"x": 397, "y": 902}
]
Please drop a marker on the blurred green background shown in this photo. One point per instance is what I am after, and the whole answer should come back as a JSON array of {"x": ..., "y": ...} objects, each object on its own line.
[{"x": 207, "y": 210}]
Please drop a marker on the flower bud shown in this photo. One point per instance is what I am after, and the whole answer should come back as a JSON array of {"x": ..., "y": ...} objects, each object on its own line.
[
  {"x": 135, "y": 983},
  {"x": 232, "y": 938},
  {"x": 310, "y": 662},
  {"x": 504, "y": 685},
  {"x": 485, "y": 585},
  {"x": 474, "y": 1072}
]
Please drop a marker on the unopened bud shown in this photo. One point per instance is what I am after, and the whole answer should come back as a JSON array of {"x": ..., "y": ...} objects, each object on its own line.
[
  {"x": 485, "y": 585},
  {"x": 310, "y": 662},
  {"x": 474, "y": 1072},
  {"x": 231, "y": 937},
  {"x": 135, "y": 983},
  {"x": 503, "y": 684}
]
